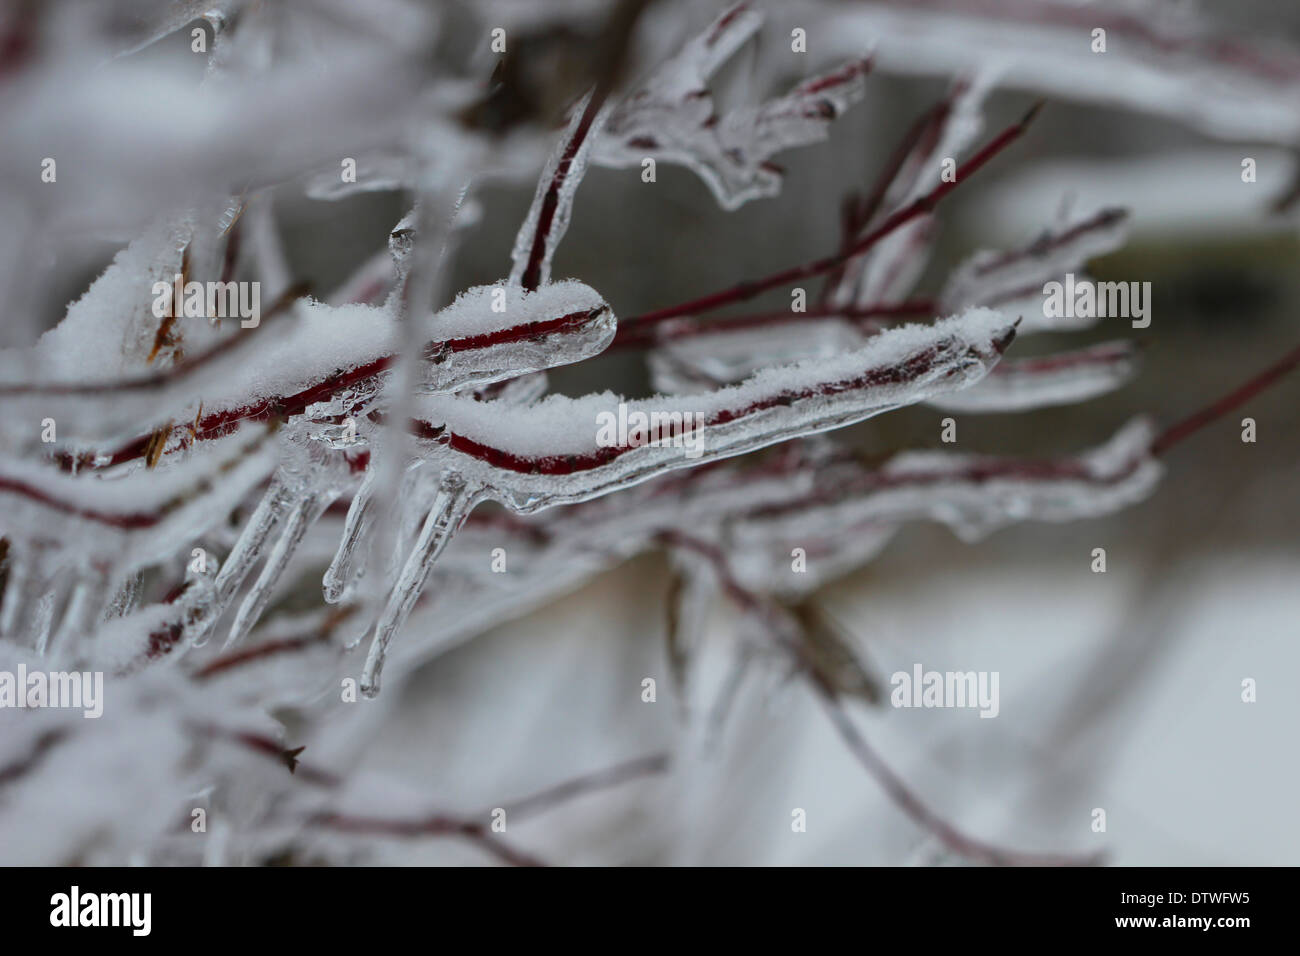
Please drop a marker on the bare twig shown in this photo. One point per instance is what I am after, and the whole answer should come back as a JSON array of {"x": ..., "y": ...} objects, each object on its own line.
[
  {"x": 920, "y": 206},
  {"x": 1234, "y": 399}
]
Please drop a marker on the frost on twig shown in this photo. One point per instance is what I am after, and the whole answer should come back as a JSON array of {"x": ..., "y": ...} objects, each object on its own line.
[
  {"x": 1169, "y": 60},
  {"x": 541, "y": 455},
  {"x": 670, "y": 117},
  {"x": 1014, "y": 280},
  {"x": 167, "y": 478}
]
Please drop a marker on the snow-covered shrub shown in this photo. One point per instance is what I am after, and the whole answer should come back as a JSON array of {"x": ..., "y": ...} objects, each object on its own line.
[{"x": 173, "y": 464}]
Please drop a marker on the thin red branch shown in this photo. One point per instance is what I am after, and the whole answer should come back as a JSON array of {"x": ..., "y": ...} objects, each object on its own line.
[
  {"x": 260, "y": 652},
  {"x": 532, "y": 276},
  {"x": 920, "y": 206},
  {"x": 222, "y": 423},
  {"x": 18, "y": 34},
  {"x": 599, "y": 780},
  {"x": 894, "y": 786},
  {"x": 976, "y": 473},
  {"x": 725, "y": 21},
  {"x": 639, "y": 336},
  {"x": 852, "y": 219},
  {"x": 858, "y": 215},
  {"x": 920, "y": 812},
  {"x": 1049, "y": 241},
  {"x": 273, "y": 749},
  {"x": 1104, "y": 353},
  {"x": 157, "y": 380},
  {"x": 437, "y": 825},
  {"x": 1192, "y": 423},
  {"x": 29, "y": 762},
  {"x": 571, "y": 464},
  {"x": 284, "y": 645},
  {"x": 127, "y": 521},
  {"x": 442, "y": 824}
]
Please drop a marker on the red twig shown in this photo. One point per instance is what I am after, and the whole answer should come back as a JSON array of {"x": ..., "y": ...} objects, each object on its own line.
[
  {"x": 551, "y": 201},
  {"x": 916, "y": 808},
  {"x": 857, "y": 215},
  {"x": 638, "y": 336},
  {"x": 26, "y": 764},
  {"x": 260, "y": 652},
  {"x": 285, "y": 645},
  {"x": 222, "y": 423},
  {"x": 1177, "y": 432},
  {"x": 852, "y": 218},
  {"x": 18, "y": 33},
  {"x": 1049, "y": 241},
  {"x": 506, "y": 460},
  {"x": 273, "y": 749},
  {"x": 147, "y": 383},
  {"x": 920, "y": 206},
  {"x": 599, "y": 780},
  {"x": 1105, "y": 353},
  {"x": 442, "y": 824},
  {"x": 894, "y": 786},
  {"x": 437, "y": 825},
  {"x": 976, "y": 473}
]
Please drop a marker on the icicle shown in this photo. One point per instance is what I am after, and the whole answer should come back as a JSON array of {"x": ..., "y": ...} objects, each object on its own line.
[
  {"x": 348, "y": 564},
  {"x": 33, "y": 592},
  {"x": 453, "y": 502},
  {"x": 550, "y": 453},
  {"x": 1061, "y": 379},
  {"x": 42, "y": 619},
  {"x": 127, "y": 597},
  {"x": 241, "y": 559},
  {"x": 300, "y": 517},
  {"x": 18, "y": 573},
  {"x": 85, "y": 605},
  {"x": 411, "y": 509}
]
